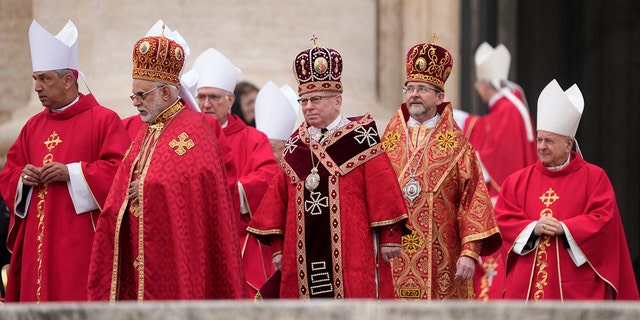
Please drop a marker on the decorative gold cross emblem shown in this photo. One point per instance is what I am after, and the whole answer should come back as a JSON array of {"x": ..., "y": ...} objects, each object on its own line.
[
  {"x": 183, "y": 144},
  {"x": 314, "y": 38},
  {"x": 53, "y": 141},
  {"x": 549, "y": 197},
  {"x": 434, "y": 38}
]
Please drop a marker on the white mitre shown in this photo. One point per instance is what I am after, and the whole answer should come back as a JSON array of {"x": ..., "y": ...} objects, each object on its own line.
[
  {"x": 49, "y": 52},
  {"x": 274, "y": 113},
  {"x": 560, "y": 111},
  {"x": 213, "y": 69},
  {"x": 492, "y": 63}
]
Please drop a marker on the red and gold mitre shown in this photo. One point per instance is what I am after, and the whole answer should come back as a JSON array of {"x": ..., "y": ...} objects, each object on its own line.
[
  {"x": 157, "y": 58},
  {"x": 318, "y": 69},
  {"x": 430, "y": 63}
]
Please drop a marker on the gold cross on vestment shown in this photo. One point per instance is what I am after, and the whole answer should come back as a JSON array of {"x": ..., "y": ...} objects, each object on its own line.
[
  {"x": 314, "y": 38},
  {"x": 182, "y": 143},
  {"x": 53, "y": 141},
  {"x": 549, "y": 197},
  {"x": 434, "y": 38}
]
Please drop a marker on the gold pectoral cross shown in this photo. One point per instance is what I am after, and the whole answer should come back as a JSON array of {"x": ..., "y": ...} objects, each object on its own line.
[{"x": 183, "y": 144}]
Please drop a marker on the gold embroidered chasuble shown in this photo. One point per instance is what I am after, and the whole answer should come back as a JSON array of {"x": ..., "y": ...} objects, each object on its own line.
[{"x": 451, "y": 214}]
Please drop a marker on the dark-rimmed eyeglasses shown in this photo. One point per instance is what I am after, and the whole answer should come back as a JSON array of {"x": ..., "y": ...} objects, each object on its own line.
[
  {"x": 314, "y": 99},
  {"x": 419, "y": 89},
  {"x": 140, "y": 96},
  {"x": 212, "y": 97}
]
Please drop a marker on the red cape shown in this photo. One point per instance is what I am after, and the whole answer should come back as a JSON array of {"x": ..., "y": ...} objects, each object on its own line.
[
  {"x": 135, "y": 126},
  {"x": 87, "y": 133},
  {"x": 581, "y": 196},
  {"x": 187, "y": 247},
  {"x": 256, "y": 166}
]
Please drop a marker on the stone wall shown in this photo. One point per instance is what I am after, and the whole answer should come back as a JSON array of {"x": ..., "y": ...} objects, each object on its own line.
[{"x": 262, "y": 37}]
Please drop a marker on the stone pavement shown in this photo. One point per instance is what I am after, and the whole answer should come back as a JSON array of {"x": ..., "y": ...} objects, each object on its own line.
[{"x": 326, "y": 309}]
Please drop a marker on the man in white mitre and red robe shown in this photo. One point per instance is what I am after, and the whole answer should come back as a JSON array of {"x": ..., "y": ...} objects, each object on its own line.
[
  {"x": 559, "y": 217},
  {"x": 215, "y": 79},
  {"x": 504, "y": 140},
  {"x": 57, "y": 176}
]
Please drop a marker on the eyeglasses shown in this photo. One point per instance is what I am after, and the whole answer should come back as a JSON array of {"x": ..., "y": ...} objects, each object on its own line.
[
  {"x": 140, "y": 96},
  {"x": 314, "y": 99},
  {"x": 419, "y": 89},
  {"x": 211, "y": 97}
]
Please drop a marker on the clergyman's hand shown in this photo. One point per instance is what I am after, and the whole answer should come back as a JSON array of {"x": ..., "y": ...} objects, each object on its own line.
[
  {"x": 54, "y": 172},
  {"x": 277, "y": 261},
  {"x": 388, "y": 252},
  {"x": 464, "y": 268}
]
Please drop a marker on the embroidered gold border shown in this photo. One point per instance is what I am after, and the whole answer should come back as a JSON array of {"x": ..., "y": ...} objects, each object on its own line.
[{"x": 301, "y": 250}]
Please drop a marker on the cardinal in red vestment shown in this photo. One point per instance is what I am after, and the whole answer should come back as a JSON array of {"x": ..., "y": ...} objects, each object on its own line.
[
  {"x": 167, "y": 231},
  {"x": 559, "y": 217},
  {"x": 57, "y": 176}
]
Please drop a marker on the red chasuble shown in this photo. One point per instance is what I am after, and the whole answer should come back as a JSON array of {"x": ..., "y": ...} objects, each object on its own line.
[
  {"x": 450, "y": 213},
  {"x": 580, "y": 196},
  {"x": 180, "y": 240},
  {"x": 256, "y": 166},
  {"x": 500, "y": 140},
  {"x": 135, "y": 126},
  {"x": 52, "y": 244},
  {"x": 328, "y": 249}
]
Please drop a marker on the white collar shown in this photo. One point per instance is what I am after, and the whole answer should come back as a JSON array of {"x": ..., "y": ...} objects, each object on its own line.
[
  {"x": 67, "y": 106},
  {"x": 494, "y": 98},
  {"x": 331, "y": 128},
  {"x": 560, "y": 167},
  {"x": 429, "y": 123}
]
